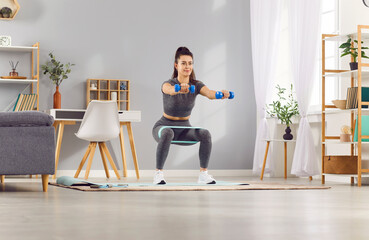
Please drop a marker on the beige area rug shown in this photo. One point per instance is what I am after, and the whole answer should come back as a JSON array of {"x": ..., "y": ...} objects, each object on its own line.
[{"x": 251, "y": 186}]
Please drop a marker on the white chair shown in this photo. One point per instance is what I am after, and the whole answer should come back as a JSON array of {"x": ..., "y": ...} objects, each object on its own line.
[{"x": 99, "y": 124}]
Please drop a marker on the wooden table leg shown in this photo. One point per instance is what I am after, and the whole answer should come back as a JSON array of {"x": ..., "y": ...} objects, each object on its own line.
[
  {"x": 2, "y": 178},
  {"x": 265, "y": 158},
  {"x": 285, "y": 160},
  {"x": 133, "y": 148},
  {"x": 61, "y": 125},
  {"x": 123, "y": 151},
  {"x": 310, "y": 178},
  {"x": 58, "y": 145}
]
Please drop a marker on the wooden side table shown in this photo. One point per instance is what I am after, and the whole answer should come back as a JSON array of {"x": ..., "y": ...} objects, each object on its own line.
[{"x": 285, "y": 155}]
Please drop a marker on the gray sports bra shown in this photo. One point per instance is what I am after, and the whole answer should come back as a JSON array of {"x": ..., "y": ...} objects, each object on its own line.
[{"x": 180, "y": 105}]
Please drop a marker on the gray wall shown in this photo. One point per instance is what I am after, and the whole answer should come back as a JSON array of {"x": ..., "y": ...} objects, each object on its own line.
[{"x": 137, "y": 40}]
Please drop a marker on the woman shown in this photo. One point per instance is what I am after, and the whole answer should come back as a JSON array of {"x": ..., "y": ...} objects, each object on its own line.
[{"x": 177, "y": 112}]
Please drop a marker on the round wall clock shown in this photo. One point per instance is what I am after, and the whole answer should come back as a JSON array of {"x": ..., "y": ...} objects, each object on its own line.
[
  {"x": 5, "y": 41},
  {"x": 366, "y": 2}
]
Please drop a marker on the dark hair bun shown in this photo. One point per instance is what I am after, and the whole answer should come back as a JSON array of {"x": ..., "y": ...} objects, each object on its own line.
[{"x": 183, "y": 51}]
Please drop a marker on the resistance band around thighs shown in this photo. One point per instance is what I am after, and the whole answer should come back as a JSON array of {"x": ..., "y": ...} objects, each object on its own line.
[{"x": 180, "y": 127}]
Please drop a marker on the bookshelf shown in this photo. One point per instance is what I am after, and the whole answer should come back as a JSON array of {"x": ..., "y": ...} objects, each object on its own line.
[
  {"x": 356, "y": 78},
  {"x": 34, "y": 79},
  {"x": 108, "y": 89}
]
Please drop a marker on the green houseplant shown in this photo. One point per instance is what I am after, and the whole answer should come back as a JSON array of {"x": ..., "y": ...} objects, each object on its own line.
[
  {"x": 57, "y": 73},
  {"x": 284, "y": 109},
  {"x": 352, "y": 50}
]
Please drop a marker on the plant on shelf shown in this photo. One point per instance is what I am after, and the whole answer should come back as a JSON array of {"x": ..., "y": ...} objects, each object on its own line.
[
  {"x": 284, "y": 109},
  {"x": 58, "y": 72},
  {"x": 352, "y": 50},
  {"x": 6, "y": 12}
]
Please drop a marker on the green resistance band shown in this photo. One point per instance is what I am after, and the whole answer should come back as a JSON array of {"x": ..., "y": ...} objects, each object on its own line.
[{"x": 189, "y": 142}]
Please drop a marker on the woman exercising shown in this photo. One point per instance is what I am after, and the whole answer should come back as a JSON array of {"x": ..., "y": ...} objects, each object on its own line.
[{"x": 179, "y": 95}]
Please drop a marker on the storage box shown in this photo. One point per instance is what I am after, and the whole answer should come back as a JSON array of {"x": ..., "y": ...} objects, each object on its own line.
[{"x": 340, "y": 164}]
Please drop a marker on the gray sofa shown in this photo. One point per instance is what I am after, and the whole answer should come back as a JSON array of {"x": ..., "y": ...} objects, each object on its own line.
[{"x": 27, "y": 145}]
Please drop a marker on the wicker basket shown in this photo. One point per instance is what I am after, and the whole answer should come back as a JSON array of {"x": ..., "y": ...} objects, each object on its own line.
[{"x": 341, "y": 104}]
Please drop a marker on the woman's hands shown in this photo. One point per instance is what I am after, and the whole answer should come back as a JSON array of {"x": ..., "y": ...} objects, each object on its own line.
[
  {"x": 185, "y": 88},
  {"x": 225, "y": 94},
  {"x": 171, "y": 90},
  {"x": 211, "y": 94}
]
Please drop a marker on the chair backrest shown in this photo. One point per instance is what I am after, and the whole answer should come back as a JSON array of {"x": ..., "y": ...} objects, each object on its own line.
[{"x": 100, "y": 122}]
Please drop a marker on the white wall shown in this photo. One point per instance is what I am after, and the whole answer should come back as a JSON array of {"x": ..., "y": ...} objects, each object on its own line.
[
  {"x": 352, "y": 13},
  {"x": 137, "y": 40}
]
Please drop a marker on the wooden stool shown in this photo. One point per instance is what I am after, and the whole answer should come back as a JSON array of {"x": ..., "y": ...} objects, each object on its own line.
[{"x": 285, "y": 156}]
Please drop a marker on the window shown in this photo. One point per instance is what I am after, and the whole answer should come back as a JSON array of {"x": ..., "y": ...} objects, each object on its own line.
[{"x": 329, "y": 25}]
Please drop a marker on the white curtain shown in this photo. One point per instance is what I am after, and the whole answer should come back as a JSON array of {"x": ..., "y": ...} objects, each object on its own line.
[
  {"x": 304, "y": 27},
  {"x": 265, "y": 18}
]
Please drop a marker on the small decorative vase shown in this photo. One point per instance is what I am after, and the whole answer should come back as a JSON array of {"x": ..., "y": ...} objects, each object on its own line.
[
  {"x": 13, "y": 73},
  {"x": 57, "y": 98},
  {"x": 353, "y": 65},
  {"x": 288, "y": 135}
]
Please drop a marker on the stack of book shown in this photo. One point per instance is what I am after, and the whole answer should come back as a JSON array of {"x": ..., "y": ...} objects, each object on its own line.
[
  {"x": 25, "y": 102},
  {"x": 352, "y": 102}
]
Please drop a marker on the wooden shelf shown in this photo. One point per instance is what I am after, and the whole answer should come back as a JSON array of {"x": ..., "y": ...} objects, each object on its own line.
[
  {"x": 346, "y": 175},
  {"x": 13, "y": 5},
  {"x": 345, "y": 143},
  {"x": 356, "y": 80},
  {"x": 34, "y": 51},
  {"x": 104, "y": 89},
  {"x": 17, "y": 49},
  {"x": 344, "y": 37},
  {"x": 18, "y": 80},
  {"x": 336, "y": 110},
  {"x": 348, "y": 74}
]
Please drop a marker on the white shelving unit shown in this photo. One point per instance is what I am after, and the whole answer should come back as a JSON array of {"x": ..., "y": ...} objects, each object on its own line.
[
  {"x": 349, "y": 74},
  {"x": 18, "y": 80},
  {"x": 35, "y": 69},
  {"x": 17, "y": 48},
  {"x": 356, "y": 78}
]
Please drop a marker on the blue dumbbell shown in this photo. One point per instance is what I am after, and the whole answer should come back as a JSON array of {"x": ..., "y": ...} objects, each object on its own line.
[
  {"x": 177, "y": 88},
  {"x": 219, "y": 95}
]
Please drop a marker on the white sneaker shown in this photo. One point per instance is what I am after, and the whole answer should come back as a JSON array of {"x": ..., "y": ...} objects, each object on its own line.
[
  {"x": 205, "y": 178},
  {"x": 159, "y": 177}
]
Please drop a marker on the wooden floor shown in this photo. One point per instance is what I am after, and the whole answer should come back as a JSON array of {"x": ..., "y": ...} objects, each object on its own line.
[{"x": 341, "y": 212}]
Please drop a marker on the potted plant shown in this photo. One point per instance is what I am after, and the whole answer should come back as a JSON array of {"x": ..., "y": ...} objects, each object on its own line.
[
  {"x": 284, "y": 109},
  {"x": 58, "y": 72},
  {"x": 6, "y": 12},
  {"x": 348, "y": 49}
]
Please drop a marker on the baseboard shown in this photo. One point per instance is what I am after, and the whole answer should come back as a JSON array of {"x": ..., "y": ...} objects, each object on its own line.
[{"x": 168, "y": 173}]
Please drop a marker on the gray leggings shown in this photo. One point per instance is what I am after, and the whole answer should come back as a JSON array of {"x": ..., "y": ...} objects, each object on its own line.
[{"x": 179, "y": 134}]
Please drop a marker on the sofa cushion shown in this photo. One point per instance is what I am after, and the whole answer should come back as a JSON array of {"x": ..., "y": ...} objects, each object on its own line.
[{"x": 25, "y": 119}]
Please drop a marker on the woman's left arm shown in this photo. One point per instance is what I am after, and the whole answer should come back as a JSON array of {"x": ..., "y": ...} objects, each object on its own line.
[{"x": 206, "y": 92}]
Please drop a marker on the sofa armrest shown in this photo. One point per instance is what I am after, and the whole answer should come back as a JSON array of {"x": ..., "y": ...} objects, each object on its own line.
[{"x": 25, "y": 119}]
